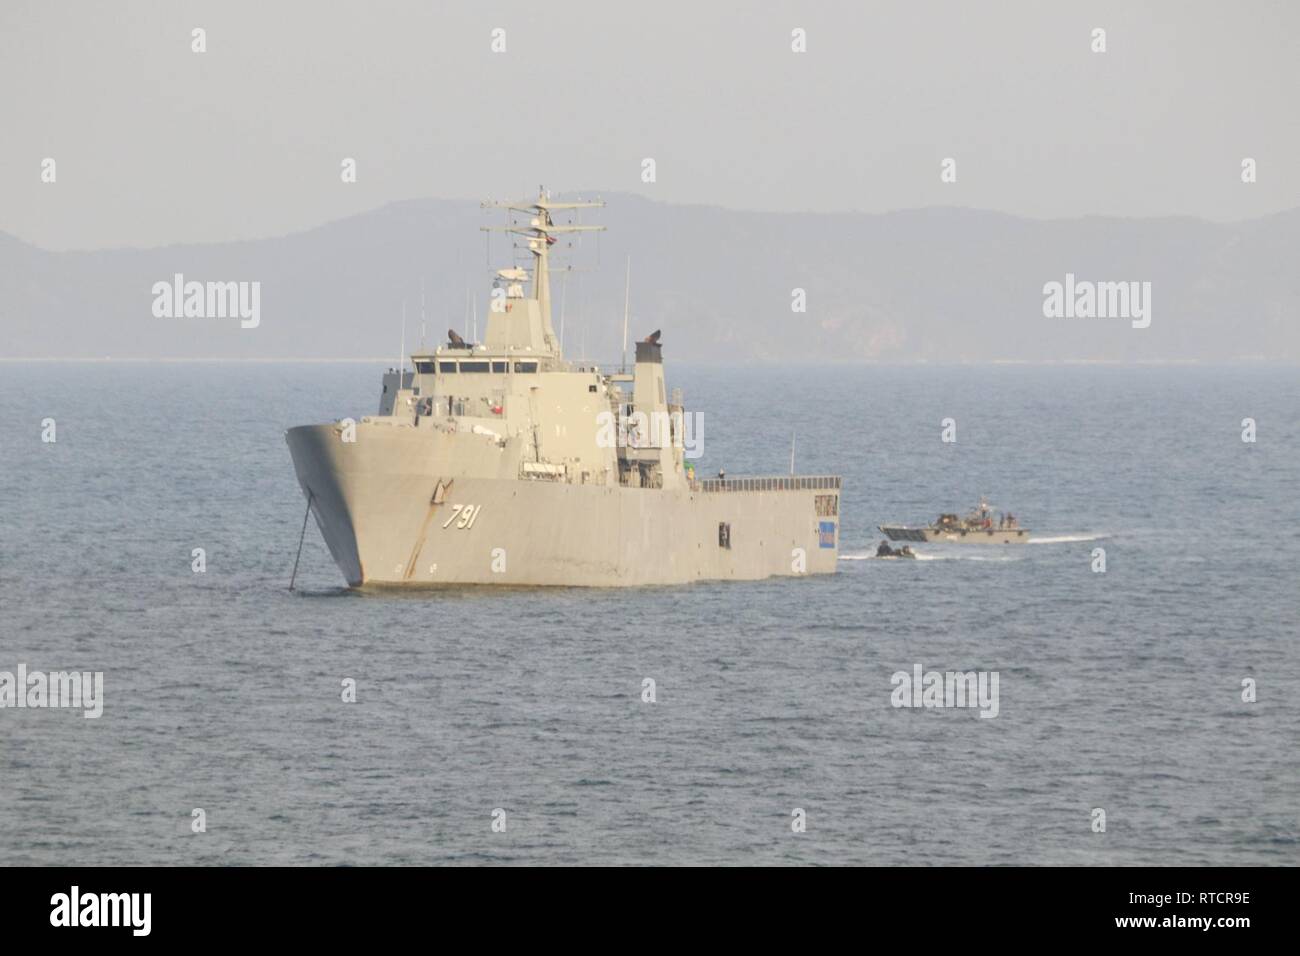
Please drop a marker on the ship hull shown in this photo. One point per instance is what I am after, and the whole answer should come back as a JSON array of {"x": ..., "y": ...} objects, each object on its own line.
[
  {"x": 970, "y": 536},
  {"x": 393, "y": 511}
]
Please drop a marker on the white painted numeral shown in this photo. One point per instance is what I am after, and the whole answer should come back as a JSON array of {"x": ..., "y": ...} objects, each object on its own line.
[{"x": 463, "y": 515}]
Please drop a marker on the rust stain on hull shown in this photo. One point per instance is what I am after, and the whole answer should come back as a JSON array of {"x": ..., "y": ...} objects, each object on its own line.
[{"x": 439, "y": 495}]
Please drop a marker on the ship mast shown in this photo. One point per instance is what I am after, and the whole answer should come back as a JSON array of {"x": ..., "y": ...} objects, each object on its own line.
[{"x": 540, "y": 232}]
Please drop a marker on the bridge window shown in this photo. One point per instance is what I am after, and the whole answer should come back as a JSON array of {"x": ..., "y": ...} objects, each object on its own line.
[
  {"x": 447, "y": 368},
  {"x": 525, "y": 366},
  {"x": 424, "y": 368},
  {"x": 474, "y": 366},
  {"x": 499, "y": 367}
]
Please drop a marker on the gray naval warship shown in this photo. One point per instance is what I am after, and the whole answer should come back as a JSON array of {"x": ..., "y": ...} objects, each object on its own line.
[
  {"x": 976, "y": 527},
  {"x": 503, "y": 463}
]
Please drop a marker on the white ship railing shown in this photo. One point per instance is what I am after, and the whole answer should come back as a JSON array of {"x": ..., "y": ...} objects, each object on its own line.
[{"x": 776, "y": 483}]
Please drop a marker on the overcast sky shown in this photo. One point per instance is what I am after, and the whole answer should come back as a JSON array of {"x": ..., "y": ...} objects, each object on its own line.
[{"x": 156, "y": 144}]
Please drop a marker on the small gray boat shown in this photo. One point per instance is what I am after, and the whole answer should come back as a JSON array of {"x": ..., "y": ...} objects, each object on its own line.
[{"x": 979, "y": 526}]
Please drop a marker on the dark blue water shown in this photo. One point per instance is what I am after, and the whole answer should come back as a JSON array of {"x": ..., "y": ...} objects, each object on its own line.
[{"x": 1119, "y": 690}]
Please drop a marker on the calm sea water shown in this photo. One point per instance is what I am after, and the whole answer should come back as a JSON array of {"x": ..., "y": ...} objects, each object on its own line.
[{"x": 1119, "y": 691}]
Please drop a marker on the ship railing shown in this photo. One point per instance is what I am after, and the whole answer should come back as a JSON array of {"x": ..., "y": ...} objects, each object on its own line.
[{"x": 775, "y": 483}]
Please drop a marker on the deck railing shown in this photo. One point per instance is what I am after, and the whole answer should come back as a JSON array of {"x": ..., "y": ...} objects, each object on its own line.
[{"x": 780, "y": 483}]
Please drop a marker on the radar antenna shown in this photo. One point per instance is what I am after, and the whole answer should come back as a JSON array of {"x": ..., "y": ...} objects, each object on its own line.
[{"x": 540, "y": 232}]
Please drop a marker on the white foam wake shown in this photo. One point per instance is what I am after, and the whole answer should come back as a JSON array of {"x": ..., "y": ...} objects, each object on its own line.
[
  {"x": 929, "y": 556},
  {"x": 1067, "y": 538},
  {"x": 955, "y": 556}
]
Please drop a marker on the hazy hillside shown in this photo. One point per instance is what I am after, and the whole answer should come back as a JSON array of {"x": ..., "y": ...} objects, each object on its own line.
[{"x": 925, "y": 285}]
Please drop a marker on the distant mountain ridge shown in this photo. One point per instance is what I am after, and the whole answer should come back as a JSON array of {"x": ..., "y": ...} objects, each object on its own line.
[{"x": 928, "y": 285}]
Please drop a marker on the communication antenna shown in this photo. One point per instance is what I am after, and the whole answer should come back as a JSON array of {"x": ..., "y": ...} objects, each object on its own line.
[
  {"x": 401, "y": 356},
  {"x": 535, "y": 234},
  {"x": 564, "y": 294},
  {"x": 792, "y": 451},
  {"x": 474, "y": 313},
  {"x": 421, "y": 312},
  {"x": 627, "y": 299}
]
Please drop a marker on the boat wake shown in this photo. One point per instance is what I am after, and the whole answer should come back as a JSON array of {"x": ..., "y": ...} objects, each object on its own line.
[
  {"x": 928, "y": 556},
  {"x": 1067, "y": 538}
]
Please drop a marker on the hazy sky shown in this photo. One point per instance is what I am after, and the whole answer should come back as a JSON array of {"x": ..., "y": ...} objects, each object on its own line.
[{"x": 156, "y": 144}]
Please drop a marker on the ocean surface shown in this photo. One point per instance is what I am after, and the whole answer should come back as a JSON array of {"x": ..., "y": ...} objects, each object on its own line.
[{"x": 1119, "y": 690}]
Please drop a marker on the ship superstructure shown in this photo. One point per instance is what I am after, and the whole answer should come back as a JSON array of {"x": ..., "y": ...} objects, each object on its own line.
[{"x": 502, "y": 462}]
